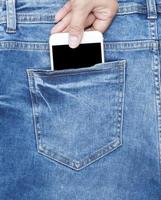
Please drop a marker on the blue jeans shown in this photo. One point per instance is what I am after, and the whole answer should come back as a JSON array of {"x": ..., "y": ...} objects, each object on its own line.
[{"x": 80, "y": 134}]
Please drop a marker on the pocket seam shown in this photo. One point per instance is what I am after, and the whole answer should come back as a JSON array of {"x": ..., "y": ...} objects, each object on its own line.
[
  {"x": 73, "y": 72},
  {"x": 78, "y": 165},
  {"x": 96, "y": 155}
]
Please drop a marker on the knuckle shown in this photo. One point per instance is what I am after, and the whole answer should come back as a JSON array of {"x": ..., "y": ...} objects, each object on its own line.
[
  {"x": 74, "y": 29},
  {"x": 115, "y": 7},
  {"x": 111, "y": 12}
]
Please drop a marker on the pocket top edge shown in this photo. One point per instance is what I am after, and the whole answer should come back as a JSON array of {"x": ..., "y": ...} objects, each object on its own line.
[{"x": 96, "y": 67}]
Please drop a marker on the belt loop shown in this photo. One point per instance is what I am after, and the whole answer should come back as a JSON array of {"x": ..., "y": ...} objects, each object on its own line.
[
  {"x": 151, "y": 9},
  {"x": 11, "y": 16}
]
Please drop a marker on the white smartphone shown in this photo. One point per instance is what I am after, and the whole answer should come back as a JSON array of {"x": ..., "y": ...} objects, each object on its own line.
[{"x": 88, "y": 53}]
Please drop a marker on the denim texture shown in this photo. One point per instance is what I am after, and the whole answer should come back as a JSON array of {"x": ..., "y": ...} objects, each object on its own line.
[
  {"x": 78, "y": 104},
  {"x": 80, "y": 134}
]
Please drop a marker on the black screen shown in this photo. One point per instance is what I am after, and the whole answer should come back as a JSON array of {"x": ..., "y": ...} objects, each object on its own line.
[{"x": 84, "y": 55}]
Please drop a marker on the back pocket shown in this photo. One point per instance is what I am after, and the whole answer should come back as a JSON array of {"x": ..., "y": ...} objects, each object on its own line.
[{"x": 78, "y": 113}]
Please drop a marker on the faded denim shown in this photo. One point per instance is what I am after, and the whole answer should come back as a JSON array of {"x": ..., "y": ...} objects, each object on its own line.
[{"x": 80, "y": 134}]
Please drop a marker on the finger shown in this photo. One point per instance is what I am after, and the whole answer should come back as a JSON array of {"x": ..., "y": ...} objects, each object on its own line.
[
  {"x": 104, "y": 19},
  {"x": 62, "y": 24},
  {"x": 63, "y": 11},
  {"x": 76, "y": 28},
  {"x": 90, "y": 20},
  {"x": 100, "y": 25}
]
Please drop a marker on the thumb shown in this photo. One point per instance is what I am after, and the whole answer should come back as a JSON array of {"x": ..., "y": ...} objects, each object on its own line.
[{"x": 76, "y": 27}]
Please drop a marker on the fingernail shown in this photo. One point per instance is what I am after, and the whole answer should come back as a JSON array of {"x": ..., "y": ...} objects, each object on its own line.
[{"x": 73, "y": 41}]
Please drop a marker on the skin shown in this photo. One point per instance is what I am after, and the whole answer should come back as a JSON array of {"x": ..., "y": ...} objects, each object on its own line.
[{"x": 79, "y": 15}]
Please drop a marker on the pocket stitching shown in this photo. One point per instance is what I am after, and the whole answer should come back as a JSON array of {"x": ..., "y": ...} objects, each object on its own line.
[
  {"x": 88, "y": 70},
  {"x": 77, "y": 165}
]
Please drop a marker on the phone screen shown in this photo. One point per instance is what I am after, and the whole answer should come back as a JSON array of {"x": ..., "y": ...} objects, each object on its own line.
[{"x": 84, "y": 55}]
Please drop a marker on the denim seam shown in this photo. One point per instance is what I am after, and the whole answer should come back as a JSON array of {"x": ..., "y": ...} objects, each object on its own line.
[
  {"x": 51, "y": 74},
  {"x": 121, "y": 101},
  {"x": 153, "y": 30},
  {"x": 156, "y": 72},
  {"x": 126, "y": 45},
  {"x": 77, "y": 165},
  {"x": 115, "y": 45},
  {"x": 151, "y": 9},
  {"x": 34, "y": 112},
  {"x": 38, "y": 17},
  {"x": 37, "y": 118},
  {"x": 124, "y": 9}
]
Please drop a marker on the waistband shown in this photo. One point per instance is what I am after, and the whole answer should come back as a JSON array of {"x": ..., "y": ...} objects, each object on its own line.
[{"x": 43, "y": 11}]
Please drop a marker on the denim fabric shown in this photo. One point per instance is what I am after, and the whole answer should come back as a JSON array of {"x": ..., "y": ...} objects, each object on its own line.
[
  {"x": 83, "y": 107},
  {"x": 80, "y": 134}
]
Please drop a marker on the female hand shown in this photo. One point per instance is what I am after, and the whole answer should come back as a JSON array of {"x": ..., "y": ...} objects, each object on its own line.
[{"x": 77, "y": 15}]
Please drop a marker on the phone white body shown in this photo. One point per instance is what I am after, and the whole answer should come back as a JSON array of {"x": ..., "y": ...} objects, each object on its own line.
[{"x": 89, "y": 37}]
